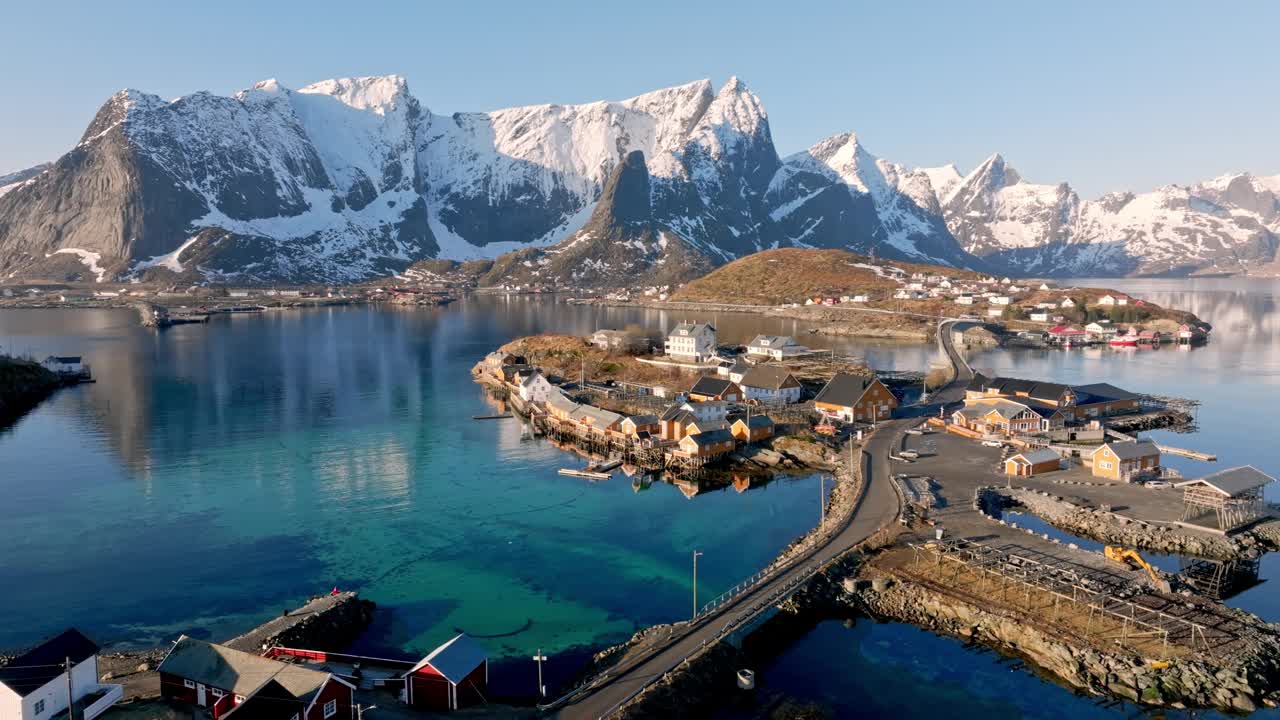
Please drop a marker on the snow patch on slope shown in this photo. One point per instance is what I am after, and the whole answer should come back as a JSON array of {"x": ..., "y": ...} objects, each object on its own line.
[{"x": 87, "y": 258}]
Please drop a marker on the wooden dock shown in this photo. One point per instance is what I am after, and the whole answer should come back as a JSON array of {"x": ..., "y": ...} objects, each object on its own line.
[
  {"x": 589, "y": 474},
  {"x": 1193, "y": 454},
  {"x": 503, "y": 416}
]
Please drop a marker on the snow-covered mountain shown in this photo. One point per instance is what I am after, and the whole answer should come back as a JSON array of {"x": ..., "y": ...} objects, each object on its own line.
[
  {"x": 837, "y": 194},
  {"x": 352, "y": 178},
  {"x": 1227, "y": 225}
]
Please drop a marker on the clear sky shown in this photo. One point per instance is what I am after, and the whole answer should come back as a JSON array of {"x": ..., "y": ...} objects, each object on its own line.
[{"x": 1105, "y": 95}]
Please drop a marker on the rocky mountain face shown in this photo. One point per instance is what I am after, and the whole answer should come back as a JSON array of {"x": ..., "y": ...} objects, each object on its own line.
[
  {"x": 354, "y": 178},
  {"x": 624, "y": 239}
]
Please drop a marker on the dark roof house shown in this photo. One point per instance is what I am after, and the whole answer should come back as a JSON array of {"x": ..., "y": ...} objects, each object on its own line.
[
  {"x": 34, "y": 669},
  {"x": 843, "y": 390},
  {"x": 770, "y": 377},
  {"x": 711, "y": 386}
]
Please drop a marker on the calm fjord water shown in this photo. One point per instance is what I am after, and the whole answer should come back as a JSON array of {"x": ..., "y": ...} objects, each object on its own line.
[{"x": 217, "y": 474}]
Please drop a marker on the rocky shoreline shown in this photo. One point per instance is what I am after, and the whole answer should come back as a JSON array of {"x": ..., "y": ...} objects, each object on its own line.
[
  {"x": 24, "y": 384},
  {"x": 1243, "y": 682}
]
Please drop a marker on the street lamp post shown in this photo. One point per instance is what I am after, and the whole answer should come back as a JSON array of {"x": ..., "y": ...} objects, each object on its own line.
[
  {"x": 696, "y": 554},
  {"x": 540, "y": 658}
]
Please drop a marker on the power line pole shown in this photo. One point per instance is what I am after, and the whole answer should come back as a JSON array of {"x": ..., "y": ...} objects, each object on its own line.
[
  {"x": 696, "y": 553},
  {"x": 822, "y": 500},
  {"x": 540, "y": 658},
  {"x": 71, "y": 698}
]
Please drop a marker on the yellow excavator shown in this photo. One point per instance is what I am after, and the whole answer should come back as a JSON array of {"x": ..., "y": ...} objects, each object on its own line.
[{"x": 1131, "y": 558}]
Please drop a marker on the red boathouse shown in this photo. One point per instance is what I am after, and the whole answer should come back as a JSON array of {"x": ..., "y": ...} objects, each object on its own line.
[{"x": 453, "y": 676}]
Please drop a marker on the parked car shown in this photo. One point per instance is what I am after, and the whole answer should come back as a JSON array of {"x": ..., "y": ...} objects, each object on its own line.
[
  {"x": 992, "y": 443},
  {"x": 909, "y": 454},
  {"x": 1158, "y": 484}
]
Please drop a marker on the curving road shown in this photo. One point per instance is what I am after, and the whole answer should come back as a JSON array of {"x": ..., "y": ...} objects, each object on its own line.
[{"x": 877, "y": 508}]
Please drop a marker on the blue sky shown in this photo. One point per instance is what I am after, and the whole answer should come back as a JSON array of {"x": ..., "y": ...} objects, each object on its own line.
[{"x": 1104, "y": 95}]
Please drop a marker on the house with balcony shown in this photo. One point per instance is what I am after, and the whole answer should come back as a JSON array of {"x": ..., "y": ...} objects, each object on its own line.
[{"x": 37, "y": 684}]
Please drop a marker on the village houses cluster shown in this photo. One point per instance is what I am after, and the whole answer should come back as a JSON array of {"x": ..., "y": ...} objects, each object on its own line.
[
  {"x": 726, "y": 406},
  {"x": 1064, "y": 313}
]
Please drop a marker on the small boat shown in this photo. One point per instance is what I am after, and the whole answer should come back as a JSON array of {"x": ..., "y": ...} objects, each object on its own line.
[{"x": 1129, "y": 339}]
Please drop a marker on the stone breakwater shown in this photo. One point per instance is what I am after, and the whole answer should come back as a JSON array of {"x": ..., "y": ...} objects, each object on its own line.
[
  {"x": 1109, "y": 527},
  {"x": 327, "y": 622},
  {"x": 1242, "y": 682}
]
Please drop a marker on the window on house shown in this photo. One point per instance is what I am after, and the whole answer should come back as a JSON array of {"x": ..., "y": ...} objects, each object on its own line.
[
  {"x": 295, "y": 717},
  {"x": 331, "y": 708},
  {"x": 39, "y": 708},
  {"x": 239, "y": 699},
  {"x": 1104, "y": 465},
  {"x": 217, "y": 693},
  {"x": 188, "y": 683}
]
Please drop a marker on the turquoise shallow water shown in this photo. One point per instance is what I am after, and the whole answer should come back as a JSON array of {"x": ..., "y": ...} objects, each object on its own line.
[{"x": 218, "y": 474}]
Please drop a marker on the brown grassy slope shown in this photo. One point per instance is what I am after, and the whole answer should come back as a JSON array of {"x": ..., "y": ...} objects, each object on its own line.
[
  {"x": 569, "y": 355},
  {"x": 788, "y": 275}
]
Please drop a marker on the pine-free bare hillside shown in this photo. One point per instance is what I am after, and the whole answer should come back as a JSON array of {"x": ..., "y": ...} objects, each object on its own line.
[{"x": 788, "y": 275}]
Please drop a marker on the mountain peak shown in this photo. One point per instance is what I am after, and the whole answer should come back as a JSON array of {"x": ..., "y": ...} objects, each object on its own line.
[
  {"x": 362, "y": 93},
  {"x": 737, "y": 108},
  {"x": 270, "y": 85},
  {"x": 993, "y": 174}
]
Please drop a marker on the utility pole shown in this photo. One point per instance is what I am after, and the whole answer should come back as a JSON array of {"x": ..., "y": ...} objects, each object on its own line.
[
  {"x": 822, "y": 500},
  {"x": 540, "y": 658},
  {"x": 71, "y": 698},
  {"x": 696, "y": 553}
]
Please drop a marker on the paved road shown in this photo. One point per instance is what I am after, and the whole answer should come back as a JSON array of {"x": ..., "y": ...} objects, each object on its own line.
[{"x": 877, "y": 508}]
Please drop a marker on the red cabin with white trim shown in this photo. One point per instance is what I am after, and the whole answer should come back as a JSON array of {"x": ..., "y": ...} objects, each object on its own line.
[{"x": 453, "y": 676}]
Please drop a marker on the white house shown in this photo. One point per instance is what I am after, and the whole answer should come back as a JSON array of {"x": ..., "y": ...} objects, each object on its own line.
[
  {"x": 1045, "y": 286},
  {"x": 691, "y": 342},
  {"x": 770, "y": 384},
  {"x": 711, "y": 411},
  {"x": 35, "y": 685},
  {"x": 964, "y": 299},
  {"x": 64, "y": 364},
  {"x": 1067, "y": 303},
  {"x": 859, "y": 299},
  {"x": 775, "y": 347},
  {"x": 1113, "y": 300},
  {"x": 995, "y": 311},
  {"x": 535, "y": 388},
  {"x": 238, "y": 293},
  {"x": 1039, "y": 317},
  {"x": 1100, "y": 331},
  {"x": 1001, "y": 300}
]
